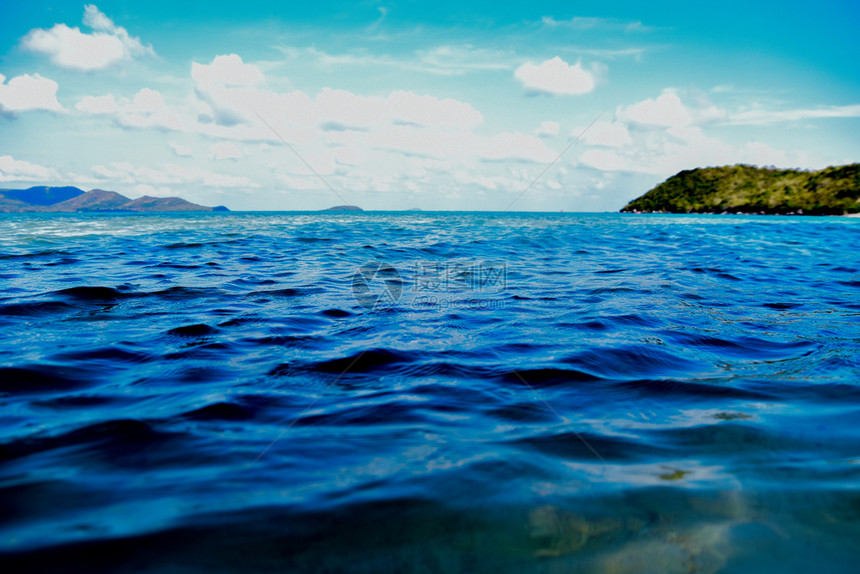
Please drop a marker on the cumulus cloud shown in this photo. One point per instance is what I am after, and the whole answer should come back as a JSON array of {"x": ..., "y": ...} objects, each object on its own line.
[
  {"x": 12, "y": 169},
  {"x": 70, "y": 48},
  {"x": 97, "y": 105},
  {"x": 228, "y": 96},
  {"x": 227, "y": 70},
  {"x": 147, "y": 109},
  {"x": 555, "y": 77},
  {"x": 429, "y": 111},
  {"x": 667, "y": 111},
  {"x": 147, "y": 101},
  {"x": 398, "y": 141},
  {"x": 27, "y": 93}
]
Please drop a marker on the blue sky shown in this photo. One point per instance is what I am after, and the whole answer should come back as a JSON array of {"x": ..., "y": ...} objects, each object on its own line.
[{"x": 396, "y": 105}]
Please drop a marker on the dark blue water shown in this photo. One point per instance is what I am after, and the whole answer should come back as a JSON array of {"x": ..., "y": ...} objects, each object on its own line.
[{"x": 424, "y": 392}]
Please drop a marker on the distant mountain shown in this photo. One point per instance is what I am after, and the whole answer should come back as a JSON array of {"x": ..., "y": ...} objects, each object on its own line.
[
  {"x": 344, "y": 208},
  {"x": 42, "y": 195},
  {"x": 749, "y": 189},
  {"x": 72, "y": 200},
  {"x": 147, "y": 203},
  {"x": 95, "y": 200}
]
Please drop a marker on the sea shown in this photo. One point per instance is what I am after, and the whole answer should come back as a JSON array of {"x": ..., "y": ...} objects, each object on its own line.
[{"x": 420, "y": 392}]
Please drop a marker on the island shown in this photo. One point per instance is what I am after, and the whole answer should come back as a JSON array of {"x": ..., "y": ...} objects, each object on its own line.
[
  {"x": 755, "y": 190},
  {"x": 344, "y": 208},
  {"x": 44, "y": 199}
]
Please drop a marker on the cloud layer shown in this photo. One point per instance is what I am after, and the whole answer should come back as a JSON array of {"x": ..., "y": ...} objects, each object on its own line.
[
  {"x": 438, "y": 117},
  {"x": 72, "y": 49}
]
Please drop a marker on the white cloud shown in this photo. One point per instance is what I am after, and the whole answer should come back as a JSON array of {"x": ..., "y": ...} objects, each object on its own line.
[
  {"x": 181, "y": 150},
  {"x": 228, "y": 98},
  {"x": 760, "y": 116},
  {"x": 227, "y": 70},
  {"x": 428, "y": 111},
  {"x": 169, "y": 174},
  {"x": 98, "y": 20},
  {"x": 447, "y": 59},
  {"x": 583, "y": 23},
  {"x": 460, "y": 147},
  {"x": 577, "y": 22},
  {"x": 147, "y": 109},
  {"x": 302, "y": 183},
  {"x": 548, "y": 129},
  {"x": 555, "y": 77},
  {"x": 514, "y": 147},
  {"x": 609, "y": 134},
  {"x": 70, "y": 48},
  {"x": 147, "y": 101},
  {"x": 97, "y": 105},
  {"x": 27, "y": 93},
  {"x": 671, "y": 150},
  {"x": 12, "y": 169},
  {"x": 491, "y": 183},
  {"x": 444, "y": 60},
  {"x": 667, "y": 110},
  {"x": 226, "y": 150},
  {"x": 759, "y": 153},
  {"x": 399, "y": 141}
]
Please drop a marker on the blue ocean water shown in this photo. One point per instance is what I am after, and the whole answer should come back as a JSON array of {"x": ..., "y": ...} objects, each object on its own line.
[{"x": 429, "y": 392}]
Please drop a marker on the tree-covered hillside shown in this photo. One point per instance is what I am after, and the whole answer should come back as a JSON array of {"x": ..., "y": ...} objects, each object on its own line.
[{"x": 749, "y": 189}]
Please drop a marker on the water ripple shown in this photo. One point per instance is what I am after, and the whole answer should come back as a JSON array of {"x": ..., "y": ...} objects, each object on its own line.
[{"x": 426, "y": 392}]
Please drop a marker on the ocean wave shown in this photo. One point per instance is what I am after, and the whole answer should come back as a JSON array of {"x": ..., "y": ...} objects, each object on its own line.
[{"x": 677, "y": 388}]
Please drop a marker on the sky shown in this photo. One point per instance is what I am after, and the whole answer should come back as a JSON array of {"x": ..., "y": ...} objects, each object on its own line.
[{"x": 449, "y": 105}]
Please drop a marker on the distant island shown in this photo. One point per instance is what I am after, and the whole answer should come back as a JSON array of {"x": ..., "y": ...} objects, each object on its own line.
[
  {"x": 755, "y": 190},
  {"x": 73, "y": 200},
  {"x": 344, "y": 208}
]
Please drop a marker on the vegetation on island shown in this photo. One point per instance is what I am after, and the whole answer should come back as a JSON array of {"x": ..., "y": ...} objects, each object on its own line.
[
  {"x": 750, "y": 189},
  {"x": 344, "y": 208}
]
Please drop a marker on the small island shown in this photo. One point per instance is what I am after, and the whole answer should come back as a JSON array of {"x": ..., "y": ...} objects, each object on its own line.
[
  {"x": 344, "y": 208},
  {"x": 43, "y": 199},
  {"x": 755, "y": 190}
]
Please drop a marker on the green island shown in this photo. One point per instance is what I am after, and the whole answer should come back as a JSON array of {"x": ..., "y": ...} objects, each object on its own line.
[{"x": 755, "y": 190}]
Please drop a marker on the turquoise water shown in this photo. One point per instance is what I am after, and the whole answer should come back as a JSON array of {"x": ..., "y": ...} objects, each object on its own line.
[{"x": 429, "y": 392}]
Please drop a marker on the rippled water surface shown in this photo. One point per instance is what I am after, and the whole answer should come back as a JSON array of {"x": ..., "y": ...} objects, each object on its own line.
[{"x": 423, "y": 392}]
